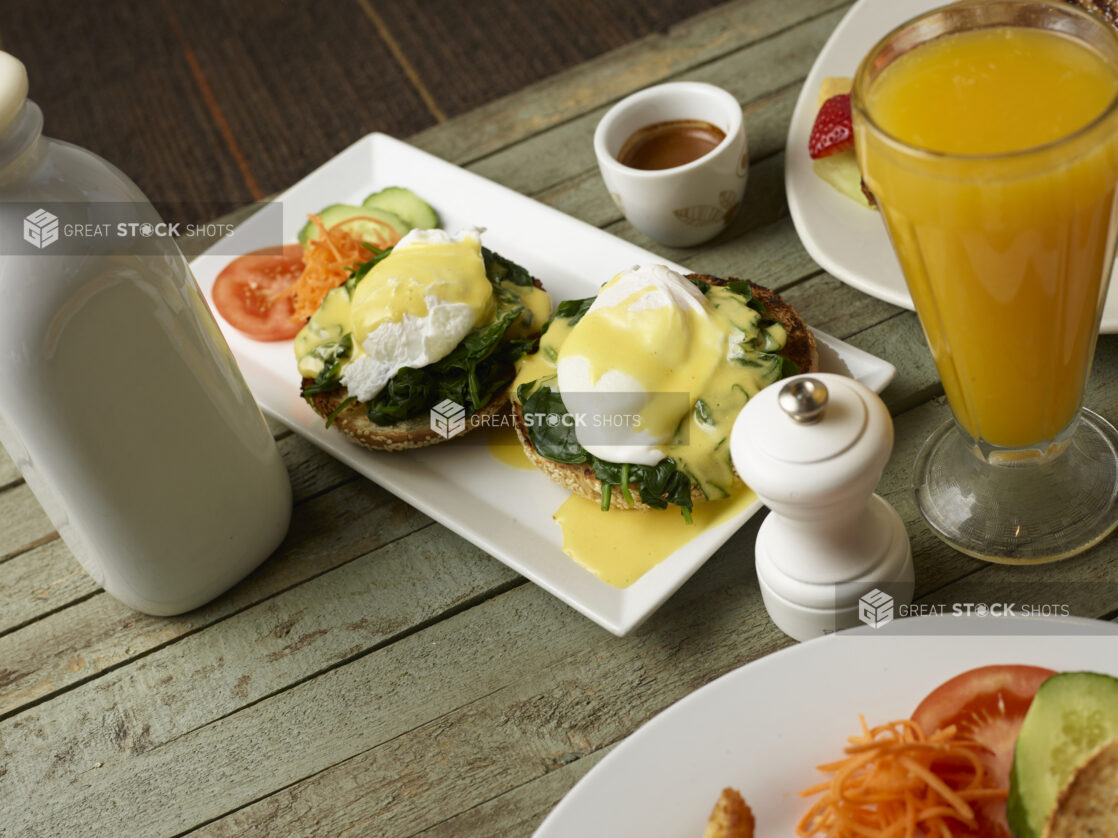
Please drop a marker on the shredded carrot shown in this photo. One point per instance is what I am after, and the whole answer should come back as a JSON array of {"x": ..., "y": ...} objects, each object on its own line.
[
  {"x": 328, "y": 259},
  {"x": 896, "y": 781}
]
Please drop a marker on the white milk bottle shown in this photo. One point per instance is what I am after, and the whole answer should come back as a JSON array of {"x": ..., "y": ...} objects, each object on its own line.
[{"x": 119, "y": 399}]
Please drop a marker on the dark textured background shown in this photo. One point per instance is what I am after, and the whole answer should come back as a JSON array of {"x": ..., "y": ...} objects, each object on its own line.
[{"x": 219, "y": 102}]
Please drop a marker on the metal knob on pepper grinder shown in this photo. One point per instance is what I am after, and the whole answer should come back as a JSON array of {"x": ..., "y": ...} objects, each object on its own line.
[{"x": 831, "y": 553}]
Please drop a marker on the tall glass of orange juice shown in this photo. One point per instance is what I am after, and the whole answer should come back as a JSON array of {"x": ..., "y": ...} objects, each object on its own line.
[{"x": 988, "y": 133}]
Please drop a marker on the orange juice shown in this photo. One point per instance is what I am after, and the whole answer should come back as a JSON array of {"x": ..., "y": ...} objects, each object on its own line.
[{"x": 999, "y": 198}]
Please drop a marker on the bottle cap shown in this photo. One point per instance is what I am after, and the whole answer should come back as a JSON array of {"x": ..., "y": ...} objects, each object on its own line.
[
  {"x": 804, "y": 399},
  {"x": 808, "y": 419},
  {"x": 13, "y": 88}
]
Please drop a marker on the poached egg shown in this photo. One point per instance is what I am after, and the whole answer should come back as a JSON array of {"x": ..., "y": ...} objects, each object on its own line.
[
  {"x": 410, "y": 310},
  {"x": 660, "y": 367},
  {"x": 647, "y": 341},
  {"x": 415, "y": 306}
]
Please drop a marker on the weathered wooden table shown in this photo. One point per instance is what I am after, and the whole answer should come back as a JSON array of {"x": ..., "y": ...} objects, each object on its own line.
[{"x": 380, "y": 676}]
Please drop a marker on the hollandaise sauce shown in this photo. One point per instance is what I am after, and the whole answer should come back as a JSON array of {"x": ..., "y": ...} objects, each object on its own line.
[
  {"x": 414, "y": 308},
  {"x": 388, "y": 315},
  {"x": 690, "y": 357},
  {"x": 687, "y": 357},
  {"x": 505, "y": 447},
  {"x": 619, "y": 547},
  {"x": 413, "y": 277}
]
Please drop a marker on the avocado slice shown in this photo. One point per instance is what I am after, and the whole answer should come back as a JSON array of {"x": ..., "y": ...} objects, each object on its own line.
[
  {"x": 406, "y": 204},
  {"x": 337, "y": 213}
]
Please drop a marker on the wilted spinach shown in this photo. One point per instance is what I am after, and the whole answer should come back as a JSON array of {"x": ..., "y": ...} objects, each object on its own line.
[
  {"x": 553, "y": 434},
  {"x": 473, "y": 372},
  {"x": 333, "y": 355},
  {"x": 572, "y": 310}
]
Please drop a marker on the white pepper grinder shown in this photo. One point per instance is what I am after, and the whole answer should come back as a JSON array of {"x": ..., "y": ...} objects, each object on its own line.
[{"x": 831, "y": 553}]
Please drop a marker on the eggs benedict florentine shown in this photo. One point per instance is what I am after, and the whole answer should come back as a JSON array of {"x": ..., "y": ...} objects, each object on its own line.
[
  {"x": 678, "y": 355},
  {"x": 437, "y": 317}
]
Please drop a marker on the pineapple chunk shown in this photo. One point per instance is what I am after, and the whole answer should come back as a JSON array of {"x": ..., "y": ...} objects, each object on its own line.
[
  {"x": 833, "y": 86},
  {"x": 841, "y": 171}
]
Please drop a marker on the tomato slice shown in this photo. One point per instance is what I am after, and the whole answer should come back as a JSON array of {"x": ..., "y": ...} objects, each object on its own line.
[
  {"x": 987, "y": 704},
  {"x": 247, "y": 292}
]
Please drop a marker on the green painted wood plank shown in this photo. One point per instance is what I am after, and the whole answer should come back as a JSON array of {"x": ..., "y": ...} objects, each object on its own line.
[
  {"x": 256, "y": 653},
  {"x": 40, "y": 582},
  {"x": 25, "y": 523},
  {"x": 514, "y": 812},
  {"x": 82, "y": 641},
  {"x": 753, "y": 74},
  {"x": 414, "y": 711},
  {"x": 837, "y": 309},
  {"x": 557, "y": 100},
  {"x": 8, "y": 471}
]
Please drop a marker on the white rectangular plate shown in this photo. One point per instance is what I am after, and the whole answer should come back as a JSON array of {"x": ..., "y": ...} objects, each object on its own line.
[{"x": 503, "y": 510}]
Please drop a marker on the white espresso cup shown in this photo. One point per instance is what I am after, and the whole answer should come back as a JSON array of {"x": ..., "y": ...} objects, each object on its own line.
[{"x": 686, "y": 204}]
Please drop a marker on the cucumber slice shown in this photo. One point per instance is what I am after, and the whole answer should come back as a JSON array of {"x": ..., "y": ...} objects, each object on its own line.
[
  {"x": 1072, "y": 714},
  {"x": 406, "y": 204},
  {"x": 337, "y": 213}
]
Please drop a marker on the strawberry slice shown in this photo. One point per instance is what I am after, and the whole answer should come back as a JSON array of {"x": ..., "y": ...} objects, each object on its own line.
[{"x": 833, "y": 131}]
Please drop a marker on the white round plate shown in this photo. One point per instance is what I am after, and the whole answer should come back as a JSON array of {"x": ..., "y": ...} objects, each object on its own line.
[
  {"x": 846, "y": 240},
  {"x": 763, "y": 728}
]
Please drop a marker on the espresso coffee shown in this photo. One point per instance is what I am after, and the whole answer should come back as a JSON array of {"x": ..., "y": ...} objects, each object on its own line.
[{"x": 665, "y": 145}]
